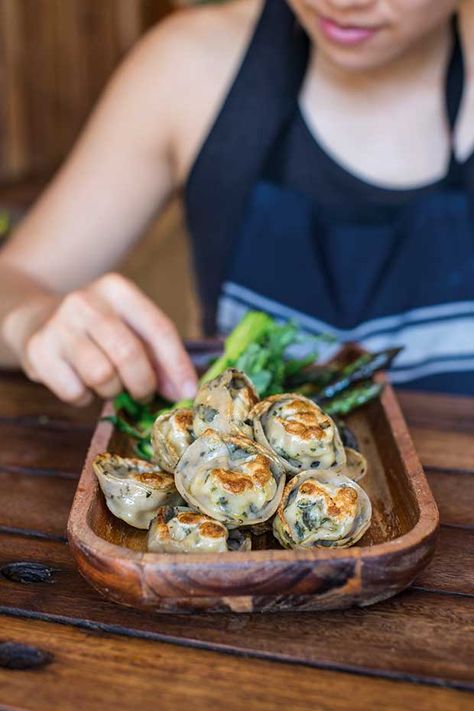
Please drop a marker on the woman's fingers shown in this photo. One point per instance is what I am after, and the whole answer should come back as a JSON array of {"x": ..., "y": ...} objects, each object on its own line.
[
  {"x": 103, "y": 348},
  {"x": 106, "y": 338},
  {"x": 44, "y": 364},
  {"x": 177, "y": 377},
  {"x": 93, "y": 366},
  {"x": 126, "y": 353}
]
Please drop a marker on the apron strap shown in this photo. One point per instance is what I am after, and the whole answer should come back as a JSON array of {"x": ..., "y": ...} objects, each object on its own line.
[
  {"x": 259, "y": 102},
  {"x": 454, "y": 88}
]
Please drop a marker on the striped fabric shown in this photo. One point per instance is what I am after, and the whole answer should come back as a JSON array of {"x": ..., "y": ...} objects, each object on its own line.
[{"x": 436, "y": 339}]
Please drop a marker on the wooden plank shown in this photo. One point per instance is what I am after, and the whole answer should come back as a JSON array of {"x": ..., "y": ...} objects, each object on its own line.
[
  {"x": 441, "y": 427},
  {"x": 44, "y": 109},
  {"x": 446, "y": 451},
  {"x": 30, "y": 403},
  {"x": 454, "y": 494},
  {"x": 104, "y": 671},
  {"x": 417, "y": 634},
  {"x": 37, "y": 504},
  {"x": 444, "y": 412},
  {"x": 452, "y": 568},
  {"x": 44, "y": 448}
]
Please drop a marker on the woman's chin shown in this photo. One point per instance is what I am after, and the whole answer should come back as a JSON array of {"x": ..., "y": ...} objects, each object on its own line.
[{"x": 355, "y": 58}]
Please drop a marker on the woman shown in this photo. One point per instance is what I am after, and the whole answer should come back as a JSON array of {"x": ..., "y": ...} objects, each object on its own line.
[{"x": 325, "y": 155}]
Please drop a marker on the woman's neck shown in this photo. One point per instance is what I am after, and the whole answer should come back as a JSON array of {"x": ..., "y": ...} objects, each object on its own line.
[{"x": 387, "y": 125}]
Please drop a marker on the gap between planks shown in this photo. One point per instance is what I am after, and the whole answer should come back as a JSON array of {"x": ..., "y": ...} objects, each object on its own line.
[
  {"x": 178, "y": 677},
  {"x": 275, "y": 657}
]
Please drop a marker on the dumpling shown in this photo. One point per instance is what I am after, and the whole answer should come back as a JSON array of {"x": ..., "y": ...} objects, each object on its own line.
[
  {"x": 224, "y": 403},
  {"x": 172, "y": 433},
  {"x": 230, "y": 478},
  {"x": 355, "y": 466},
  {"x": 299, "y": 432},
  {"x": 133, "y": 488},
  {"x": 322, "y": 509},
  {"x": 181, "y": 530}
]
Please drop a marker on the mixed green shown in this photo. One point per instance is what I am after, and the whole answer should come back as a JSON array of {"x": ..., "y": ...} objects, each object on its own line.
[{"x": 259, "y": 347}]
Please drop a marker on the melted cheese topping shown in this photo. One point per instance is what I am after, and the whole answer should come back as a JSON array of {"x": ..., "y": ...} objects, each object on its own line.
[
  {"x": 161, "y": 481},
  {"x": 302, "y": 434},
  {"x": 187, "y": 532},
  {"x": 238, "y": 492},
  {"x": 323, "y": 509},
  {"x": 230, "y": 478},
  {"x": 134, "y": 489}
]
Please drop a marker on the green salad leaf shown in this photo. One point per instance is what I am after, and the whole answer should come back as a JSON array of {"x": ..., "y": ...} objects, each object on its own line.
[{"x": 259, "y": 347}]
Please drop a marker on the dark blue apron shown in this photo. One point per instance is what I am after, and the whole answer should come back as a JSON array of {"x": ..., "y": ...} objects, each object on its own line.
[{"x": 384, "y": 274}]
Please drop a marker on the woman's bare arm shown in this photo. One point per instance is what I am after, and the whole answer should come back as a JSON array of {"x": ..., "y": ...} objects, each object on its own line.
[
  {"x": 64, "y": 318},
  {"x": 119, "y": 174}
]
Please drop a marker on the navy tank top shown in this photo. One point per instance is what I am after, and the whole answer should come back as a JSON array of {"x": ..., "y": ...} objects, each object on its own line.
[{"x": 276, "y": 224}]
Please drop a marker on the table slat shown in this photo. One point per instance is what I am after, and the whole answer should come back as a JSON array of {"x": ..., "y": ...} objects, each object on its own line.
[
  {"x": 444, "y": 412},
  {"x": 44, "y": 448},
  {"x": 454, "y": 494},
  {"x": 446, "y": 451},
  {"x": 452, "y": 568},
  {"x": 138, "y": 673},
  {"x": 35, "y": 503},
  {"x": 29, "y": 402},
  {"x": 417, "y": 634}
]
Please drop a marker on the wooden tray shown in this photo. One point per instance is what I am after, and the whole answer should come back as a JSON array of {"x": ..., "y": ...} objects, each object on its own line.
[{"x": 400, "y": 542}]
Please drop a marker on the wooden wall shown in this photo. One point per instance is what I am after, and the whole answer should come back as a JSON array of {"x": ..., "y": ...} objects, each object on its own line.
[{"x": 55, "y": 56}]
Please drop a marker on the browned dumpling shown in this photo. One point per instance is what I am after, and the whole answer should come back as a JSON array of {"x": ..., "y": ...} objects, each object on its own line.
[
  {"x": 133, "y": 488},
  {"x": 355, "y": 466},
  {"x": 299, "y": 432},
  {"x": 224, "y": 403},
  {"x": 182, "y": 530},
  {"x": 322, "y": 509},
  {"x": 172, "y": 433},
  {"x": 230, "y": 478}
]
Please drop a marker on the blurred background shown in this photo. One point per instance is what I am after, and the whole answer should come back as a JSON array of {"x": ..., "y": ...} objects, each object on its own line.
[{"x": 55, "y": 57}]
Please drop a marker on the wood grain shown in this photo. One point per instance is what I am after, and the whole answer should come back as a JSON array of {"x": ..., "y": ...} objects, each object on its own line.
[
  {"x": 452, "y": 568},
  {"x": 447, "y": 412},
  {"x": 28, "y": 403},
  {"x": 441, "y": 427},
  {"x": 38, "y": 504},
  {"x": 454, "y": 494},
  {"x": 422, "y": 634},
  {"x": 43, "y": 448},
  {"x": 136, "y": 671},
  {"x": 43, "y": 43},
  {"x": 417, "y": 634},
  {"x": 447, "y": 451}
]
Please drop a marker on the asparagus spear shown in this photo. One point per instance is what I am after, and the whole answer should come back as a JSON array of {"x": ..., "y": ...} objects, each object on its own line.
[
  {"x": 347, "y": 401},
  {"x": 360, "y": 369},
  {"x": 251, "y": 329}
]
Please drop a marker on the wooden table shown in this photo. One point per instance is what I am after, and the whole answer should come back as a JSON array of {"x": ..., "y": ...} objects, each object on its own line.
[{"x": 63, "y": 647}]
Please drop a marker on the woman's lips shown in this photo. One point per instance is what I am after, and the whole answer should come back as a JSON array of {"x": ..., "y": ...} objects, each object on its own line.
[{"x": 346, "y": 35}]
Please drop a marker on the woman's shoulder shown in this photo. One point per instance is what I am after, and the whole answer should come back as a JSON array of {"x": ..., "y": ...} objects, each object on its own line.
[
  {"x": 199, "y": 22},
  {"x": 200, "y": 49}
]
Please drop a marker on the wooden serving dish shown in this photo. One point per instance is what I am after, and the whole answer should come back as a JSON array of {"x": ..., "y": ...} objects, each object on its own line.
[{"x": 400, "y": 542}]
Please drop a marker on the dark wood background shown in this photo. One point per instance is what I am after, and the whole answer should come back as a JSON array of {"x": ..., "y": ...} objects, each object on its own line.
[{"x": 55, "y": 58}]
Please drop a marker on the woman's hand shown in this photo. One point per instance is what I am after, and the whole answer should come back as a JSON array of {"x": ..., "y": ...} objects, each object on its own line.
[{"x": 101, "y": 339}]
